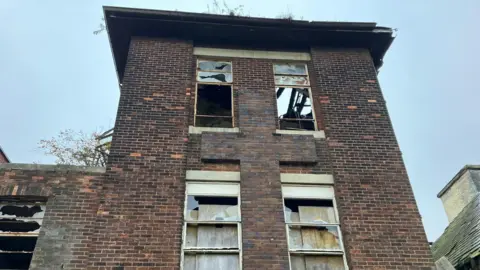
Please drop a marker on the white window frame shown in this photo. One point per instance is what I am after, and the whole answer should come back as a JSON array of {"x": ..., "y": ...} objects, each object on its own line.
[
  {"x": 197, "y": 70},
  {"x": 214, "y": 189},
  {"x": 315, "y": 192},
  {"x": 307, "y": 86}
]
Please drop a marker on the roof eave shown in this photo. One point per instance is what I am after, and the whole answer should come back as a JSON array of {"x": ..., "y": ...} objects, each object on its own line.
[{"x": 123, "y": 23}]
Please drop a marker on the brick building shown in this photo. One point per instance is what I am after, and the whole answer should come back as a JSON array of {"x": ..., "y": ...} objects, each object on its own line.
[{"x": 240, "y": 143}]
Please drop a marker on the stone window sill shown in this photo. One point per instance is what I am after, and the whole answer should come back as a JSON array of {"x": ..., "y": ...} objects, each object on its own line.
[
  {"x": 320, "y": 134},
  {"x": 199, "y": 130}
]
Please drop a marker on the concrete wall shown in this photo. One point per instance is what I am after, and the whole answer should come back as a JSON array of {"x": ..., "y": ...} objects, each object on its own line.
[{"x": 460, "y": 193}]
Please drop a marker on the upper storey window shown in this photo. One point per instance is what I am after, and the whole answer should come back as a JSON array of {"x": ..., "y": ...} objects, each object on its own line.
[
  {"x": 214, "y": 95},
  {"x": 294, "y": 97}
]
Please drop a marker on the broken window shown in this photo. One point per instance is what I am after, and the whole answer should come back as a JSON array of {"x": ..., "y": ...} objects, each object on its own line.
[
  {"x": 314, "y": 238},
  {"x": 212, "y": 227},
  {"x": 20, "y": 223},
  {"x": 294, "y": 102},
  {"x": 214, "y": 97}
]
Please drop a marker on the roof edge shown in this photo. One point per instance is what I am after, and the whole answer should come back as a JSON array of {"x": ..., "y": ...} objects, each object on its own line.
[
  {"x": 234, "y": 18},
  {"x": 456, "y": 177},
  {"x": 5, "y": 155}
]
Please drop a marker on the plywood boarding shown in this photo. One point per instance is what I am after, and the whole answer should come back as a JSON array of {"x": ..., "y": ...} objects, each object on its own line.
[
  {"x": 317, "y": 262},
  {"x": 317, "y": 214},
  {"x": 315, "y": 238},
  {"x": 218, "y": 212},
  {"x": 211, "y": 262},
  {"x": 214, "y": 236},
  {"x": 324, "y": 263},
  {"x": 298, "y": 262}
]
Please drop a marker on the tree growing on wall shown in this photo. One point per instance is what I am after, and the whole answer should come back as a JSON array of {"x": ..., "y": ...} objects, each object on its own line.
[{"x": 71, "y": 147}]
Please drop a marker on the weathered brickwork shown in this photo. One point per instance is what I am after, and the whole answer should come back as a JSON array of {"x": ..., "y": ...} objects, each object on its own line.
[
  {"x": 131, "y": 216},
  {"x": 140, "y": 216},
  {"x": 72, "y": 197},
  {"x": 380, "y": 220}
]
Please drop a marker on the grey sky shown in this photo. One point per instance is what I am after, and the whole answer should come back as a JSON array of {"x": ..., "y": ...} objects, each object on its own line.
[{"x": 55, "y": 74}]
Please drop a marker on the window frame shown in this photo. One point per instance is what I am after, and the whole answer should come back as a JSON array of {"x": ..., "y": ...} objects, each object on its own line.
[
  {"x": 205, "y": 250},
  {"x": 317, "y": 196},
  {"x": 197, "y": 82},
  {"x": 307, "y": 86}
]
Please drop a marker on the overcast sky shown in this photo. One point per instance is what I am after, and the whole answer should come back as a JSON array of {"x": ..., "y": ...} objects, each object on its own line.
[{"x": 55, "y": 74}]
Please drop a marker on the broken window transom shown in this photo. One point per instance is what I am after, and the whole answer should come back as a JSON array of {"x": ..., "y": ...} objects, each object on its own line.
[{"x": 294, "y": 97}]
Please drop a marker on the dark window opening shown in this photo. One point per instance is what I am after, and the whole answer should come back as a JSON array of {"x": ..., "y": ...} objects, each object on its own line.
[
  {"x": 20, "y": 223},
  {"x": 194, "y": 201},
  {"x": 293, "y": 204},
  {"x": 294, "y": 108},
  {"x": 15, "y": 260},
  {"x": 214, "y": 106}
]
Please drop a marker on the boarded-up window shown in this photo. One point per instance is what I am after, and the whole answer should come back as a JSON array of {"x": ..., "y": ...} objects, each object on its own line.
[
  {"x": 214, "y": 96},
  {"x": 314, "y": 237},
  {"x": 294, "y": 98},
  {"x": 212, "y": 227},
  {"x": 20, "y": 223}
]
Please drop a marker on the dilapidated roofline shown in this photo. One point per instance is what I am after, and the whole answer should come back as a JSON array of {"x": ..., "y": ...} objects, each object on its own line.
[
  {"x": 456, "y": 177},
  {"x": 238, "y": 31}
]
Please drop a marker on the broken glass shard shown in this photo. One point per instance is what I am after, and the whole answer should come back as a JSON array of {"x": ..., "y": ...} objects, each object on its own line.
[
  {"x": 291, "y": 80},
  {"x": 290, "y": 69},
  {"x": 214, "y": 77},
  {"x": 215, "y": 66}
]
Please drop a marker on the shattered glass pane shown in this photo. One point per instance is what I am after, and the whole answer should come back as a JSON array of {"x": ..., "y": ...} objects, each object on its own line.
[
  {"x": 291, "y": 80},
  {"x": 324, "y": 238},
  {"x": 17, "y": 218},
  {"x": 290, "y": 69},
  {"x": 205, "y": 208},
  {"x": 205, "y": 76},
  {"x": 215, "y": 66},
  {"x": 294, "y": 108}
]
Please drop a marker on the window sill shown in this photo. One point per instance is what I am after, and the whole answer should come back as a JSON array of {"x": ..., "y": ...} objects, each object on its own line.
[
  {"x": 199, "y": 130},
  {"x": 317, "y": 134}
]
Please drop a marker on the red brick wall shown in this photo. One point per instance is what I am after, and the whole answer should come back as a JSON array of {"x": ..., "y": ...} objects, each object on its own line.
[
  {"x": 380, "y": 220},
  {"x": 140, "y": 219},
  {"x": 72, "y": 196}
]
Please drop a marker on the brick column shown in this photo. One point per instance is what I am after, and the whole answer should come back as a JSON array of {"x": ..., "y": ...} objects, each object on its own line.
[
  {"x": 380, "y": 221},
  {"x": 139, "y": 221}
]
